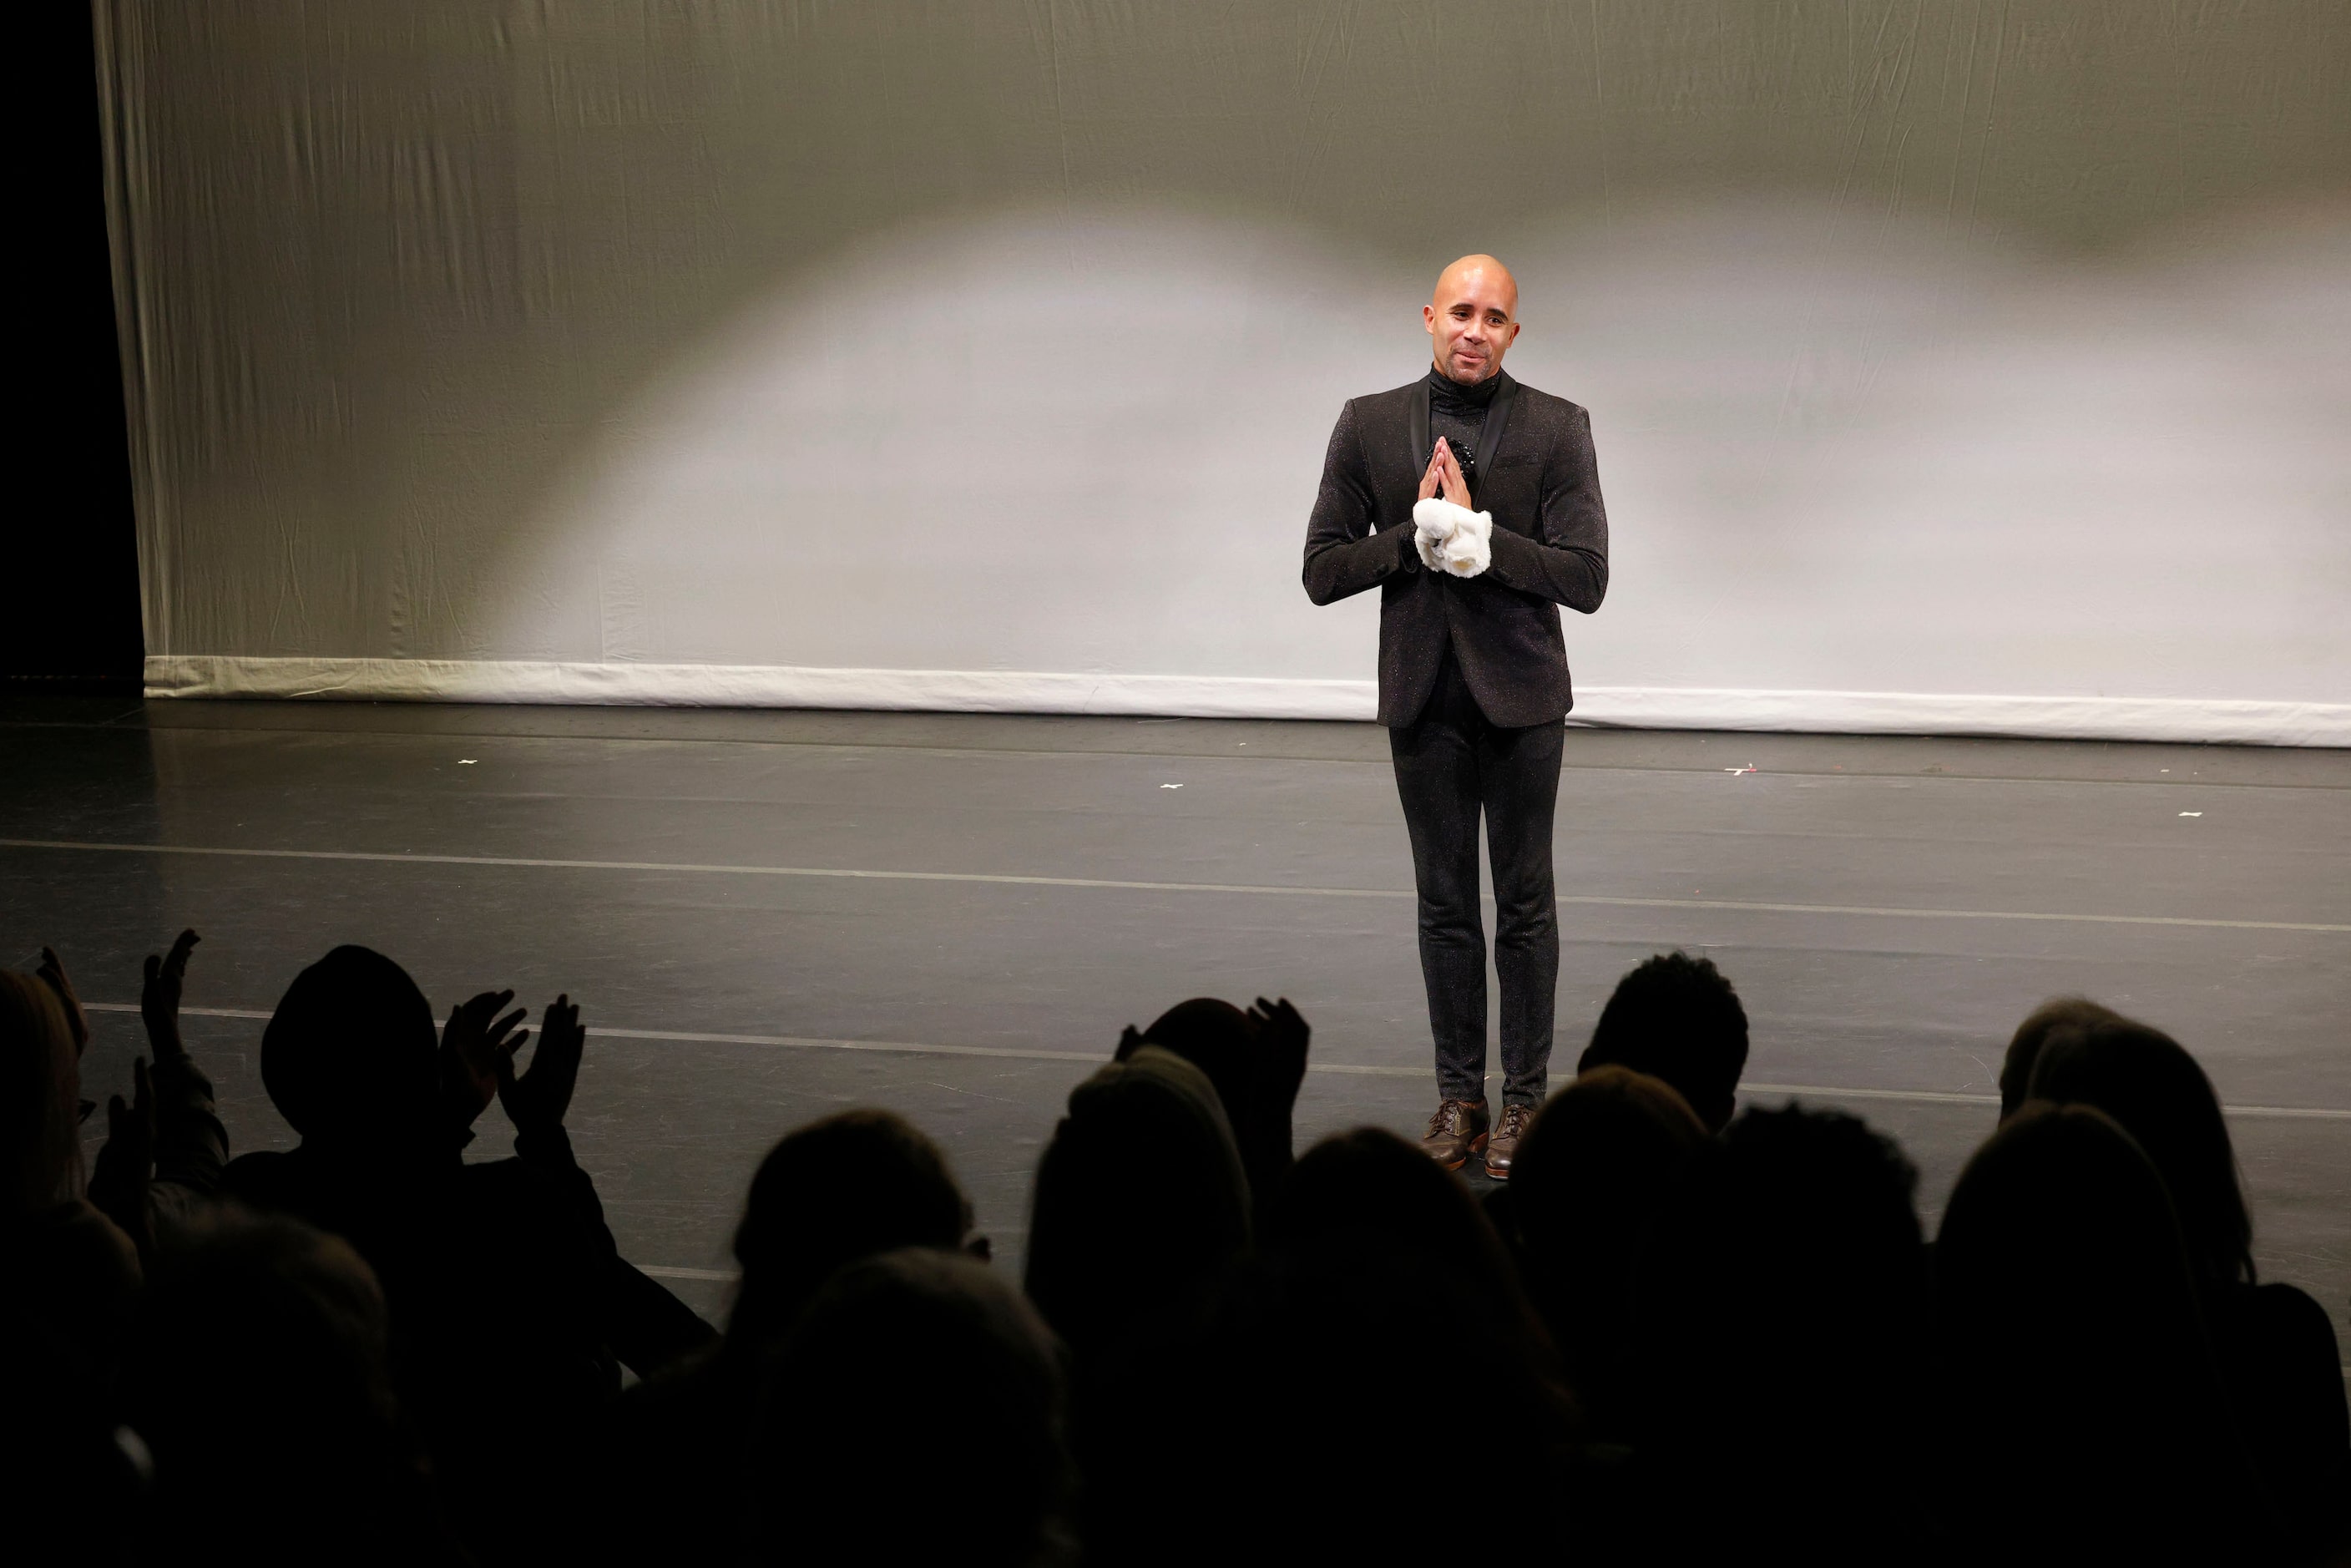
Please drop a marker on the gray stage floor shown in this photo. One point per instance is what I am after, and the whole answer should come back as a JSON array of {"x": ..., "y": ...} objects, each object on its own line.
[{"x": 768, "y": 915}]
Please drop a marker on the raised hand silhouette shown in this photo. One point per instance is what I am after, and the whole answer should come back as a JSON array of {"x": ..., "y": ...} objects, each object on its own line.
[
  {"x": 538, "y": 1096},
  {"x": 477, "y": 1050},
  {"x": 1284, "y": 1035},
  {"x": 159, "y": 997},
  {"x": 119, "y": 1181},
  {"x": 52, "y": 974}
]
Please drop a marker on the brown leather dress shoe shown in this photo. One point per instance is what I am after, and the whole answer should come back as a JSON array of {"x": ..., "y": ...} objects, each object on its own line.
[
  {"x": 1455, "y": 1132},
  {"x": 1503, "y": 1146}
]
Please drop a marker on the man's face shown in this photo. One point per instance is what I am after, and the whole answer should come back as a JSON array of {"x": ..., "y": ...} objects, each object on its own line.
[{"x": 1472, "y": 320}]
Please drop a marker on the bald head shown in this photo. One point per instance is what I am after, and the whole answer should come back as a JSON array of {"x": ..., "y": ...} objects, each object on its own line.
[
  {"x": 1472, "y": 317},
  {"x": 1477, "y": 277}
]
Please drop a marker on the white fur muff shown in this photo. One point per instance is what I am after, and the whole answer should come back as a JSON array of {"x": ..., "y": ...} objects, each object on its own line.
[{"x": 1452, "y": 539}]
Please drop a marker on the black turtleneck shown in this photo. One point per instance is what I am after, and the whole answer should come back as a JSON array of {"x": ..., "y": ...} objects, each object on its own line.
[
  {"x": 1456, "y": 412},
  {"x": 1444, "y": 390}
]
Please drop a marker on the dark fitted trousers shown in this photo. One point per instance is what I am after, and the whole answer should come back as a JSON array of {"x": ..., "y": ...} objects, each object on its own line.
[{"x": 1451, "y": 765}]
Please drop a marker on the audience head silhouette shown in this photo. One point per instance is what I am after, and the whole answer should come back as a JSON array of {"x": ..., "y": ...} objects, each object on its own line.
[
  {"x": 1139, "y": 1197},
  {"x": 40, "y": 1095},
  {"x": 849, "y": 1186},
  {"x": 1370, "y": 1189},
  {"x": 1381, "y": 1289},
  {"x": 839, "y": 1189},
  {"x": 2154, "y": 1089},
  {"x": 348, "y": 1057},
  {"x": 1796, "y": 1257},
  {"x": 1782, "y": 1312},
  {"x": 1676, "y": 1018},
  {"x": 1255, "y": 1061},
  {"x": 258, "y": 1381},
  {"x": 2077, "y": 1350},
  {"x": 2025, "y": 1046},
  {"x": 1604, "y": 1154},
  {"x": 1819, "y": 1211},
  {"x": 913, "y": 1415}
]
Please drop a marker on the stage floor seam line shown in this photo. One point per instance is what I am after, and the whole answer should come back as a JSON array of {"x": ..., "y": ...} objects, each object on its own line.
[
  {"x": 1112, "y": 884},
  {"x": 1026, "y": 1053},
  {"x": 1208, "y": 755}
]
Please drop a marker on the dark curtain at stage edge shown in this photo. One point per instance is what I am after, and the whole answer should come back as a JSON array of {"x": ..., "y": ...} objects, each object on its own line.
[{"x": 72, "y": 616}]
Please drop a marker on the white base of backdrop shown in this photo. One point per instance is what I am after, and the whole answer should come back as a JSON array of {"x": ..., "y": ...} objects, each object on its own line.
[{"x": 1231, "y": 696}]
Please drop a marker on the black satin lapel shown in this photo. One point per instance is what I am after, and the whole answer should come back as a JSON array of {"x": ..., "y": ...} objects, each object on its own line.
[
  {"x": 1490, "y": 434},
  {"x": 1423, "y": 443}
]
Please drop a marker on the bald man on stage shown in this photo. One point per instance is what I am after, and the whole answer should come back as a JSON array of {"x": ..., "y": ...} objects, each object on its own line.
[{"x": 1473, "y": 504}]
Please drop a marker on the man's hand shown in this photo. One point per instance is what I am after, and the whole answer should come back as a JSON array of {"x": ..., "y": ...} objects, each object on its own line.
[
  {"x": 538, "y": 1099},
  {"x": 1450, "y": 477},
  {"x": 52, "y": 974},
  {"x": 159, "y": 997},
  {"x": 1432, "y": 478},
  {"x": 1449, "y": 536},
  {"x": 1429, "y": 538},
  {"x": 475, "y": 1052}
]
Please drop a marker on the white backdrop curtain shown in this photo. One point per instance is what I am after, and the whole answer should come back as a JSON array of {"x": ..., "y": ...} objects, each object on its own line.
[{"x": 1954, "y": 365}]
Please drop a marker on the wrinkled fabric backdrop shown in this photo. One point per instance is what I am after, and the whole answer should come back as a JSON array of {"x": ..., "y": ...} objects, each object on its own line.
[{"x": 1954, "y": 365}]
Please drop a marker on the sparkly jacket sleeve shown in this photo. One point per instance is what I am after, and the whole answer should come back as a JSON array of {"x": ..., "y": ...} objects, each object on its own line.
[
  {"x": 1344, "y": 555},
  {"x": 1566, "y": 560}
]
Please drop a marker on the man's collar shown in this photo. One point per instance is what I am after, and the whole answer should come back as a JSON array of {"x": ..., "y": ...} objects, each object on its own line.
[{"x": 1477, "y": 394}]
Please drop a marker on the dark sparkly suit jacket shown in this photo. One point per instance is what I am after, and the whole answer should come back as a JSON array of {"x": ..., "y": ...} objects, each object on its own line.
[{"x": 1536, "y": 474}]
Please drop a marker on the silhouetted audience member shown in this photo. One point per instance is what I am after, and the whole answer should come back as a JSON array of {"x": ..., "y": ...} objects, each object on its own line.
[
  {"x": 2024, "y": 1045},
  {"x": 1302, "y": 1413},
  {"x": 2276, "y": 1346},
  {"x": 1676, "y": 1018},
  {"x": 68, "y": 1276},
  {"x": 256, "y": 1377},
  {"x": 1360, "y": 1186},
  {"x": 165, "y": 1148},
  {"x": 2154, "y": 1089},
  {"x": 915, "y": 1416},
  {"x": 1256, "y": 1059},
  {"x": 846, "y": 1188},
  {"x": 511, "y": 1309},
  {"x": 1784, "y": 1312},
  {"x": 1605, "y": 1153},
  {"x": 1139, "y": 1199},
  {"x": 2088, "y": 1421}
]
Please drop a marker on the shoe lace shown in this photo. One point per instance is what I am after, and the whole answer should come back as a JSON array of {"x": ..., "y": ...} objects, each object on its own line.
[{"x": 1449, "y": 1119}]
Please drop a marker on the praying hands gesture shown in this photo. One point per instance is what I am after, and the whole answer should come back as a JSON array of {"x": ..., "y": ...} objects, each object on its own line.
[
  {"x": 1448, "y": 536},
  {"x": 1443, "y": 477}
]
